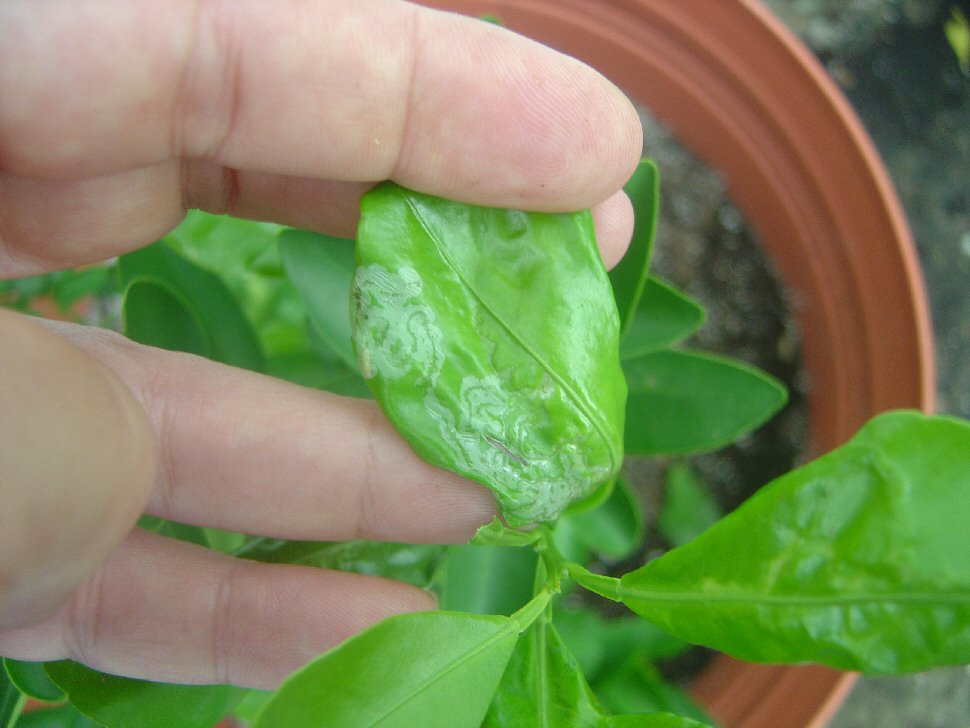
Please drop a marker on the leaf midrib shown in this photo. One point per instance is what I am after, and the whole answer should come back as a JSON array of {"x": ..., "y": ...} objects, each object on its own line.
[
  {"x": 441, "y": 674},
  {"x": 833, "y": 600},
  {"x": 578, "y": 401}
]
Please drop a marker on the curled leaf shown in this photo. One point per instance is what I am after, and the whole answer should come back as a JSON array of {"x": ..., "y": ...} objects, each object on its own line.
[{"x": 490, "y": 339}]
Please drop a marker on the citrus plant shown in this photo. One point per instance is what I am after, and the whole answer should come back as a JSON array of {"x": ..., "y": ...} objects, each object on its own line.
[{"x": 500, "y": 348}]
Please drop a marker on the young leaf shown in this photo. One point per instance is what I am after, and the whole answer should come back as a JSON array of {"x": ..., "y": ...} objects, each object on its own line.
[
  {"x": 490, "y": 339},
  {"x": 496, "y": 533},
  {"x": 688, "y": 507},
  {"x": 543, "y": 686},
  {"x": 32, "y": 680},
  {"x": 322, "y": 268},
  {"x": 665, "y": 316},
  {"x": 206, "y": 301},
  {"x": 629, "y": 275},
  {"x": 119, "y": 702},
  {"x": 857, "y": 560},
  {"x": 685, "y": 402},
  {"x": 429, "y": 669}
]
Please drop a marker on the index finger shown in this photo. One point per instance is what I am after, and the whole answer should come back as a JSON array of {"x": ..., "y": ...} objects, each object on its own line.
[{"x": 357, "y": 91}]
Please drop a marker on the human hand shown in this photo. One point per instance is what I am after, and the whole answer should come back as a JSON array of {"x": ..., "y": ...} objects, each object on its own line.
[{"x": 116, "y": 117}]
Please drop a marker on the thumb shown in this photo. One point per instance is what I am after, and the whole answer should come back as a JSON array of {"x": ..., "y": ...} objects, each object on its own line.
[{"x": 77, "y": 461}]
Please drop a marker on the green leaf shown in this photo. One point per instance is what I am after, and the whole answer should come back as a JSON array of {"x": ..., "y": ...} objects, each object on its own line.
[
  {"x": 119, "y": 702},
  {"x": 75, "y": 285},
  {"x": 653, "y": 720},
  {"x": 543, "y": 686},
  {"x": 11, "y": 701},
  {"x": 223, "y": 244},
  {"x": 591, "y": 500},
  {"x": 490, "y": 339},
  {"x": 629, "y": 275},
  {"x": 322, "y": 269},
  {"x": 496, "y": 533},
  {"x": 601, "y": 644},
  {"x": 172, "y": 286},
  {"x": 429, "y": 669},
  {"x": 174, "y": 529},
  {"x": 62, "y": 716},
  {"x": 156, "y": 314},
  {"x": 412, "y": 563},
  {"x": 246, "y": 257},
  {"x": 487, "y": 579},
  {"x": 615, "y": 528},
  {"x": 688, "y": 509},
  {"x": 687, "y": 402},
  {"x": 857, "y": 560},
  {"x": 957, "y": 32},
  {"x": 308, "y": 369},
  {"x": 32, "y": 680},
  {"x": 636, "y": 686},
  {"x": 665, "y": 316}
]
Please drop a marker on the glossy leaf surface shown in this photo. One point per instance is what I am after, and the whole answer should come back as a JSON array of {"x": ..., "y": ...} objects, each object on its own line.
[
  {"x": 664, "y": 317},
  {"x": 119, "y": 702},
  {"x": 490, "y": 339},
  {"x": 543, "y": 686},
  {"x": 431, "y": 669},
  {"x": 629, "y": 275},
  {"x": 184, "y": 292},
  {"x": 857, "y": 560},
  {"x": 686, "y": 402}
]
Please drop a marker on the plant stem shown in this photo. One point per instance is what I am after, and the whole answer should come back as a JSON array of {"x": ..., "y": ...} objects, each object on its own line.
[{"x": 605, "y": 586}]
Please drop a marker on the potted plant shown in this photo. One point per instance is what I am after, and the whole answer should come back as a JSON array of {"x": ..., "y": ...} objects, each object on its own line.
[
  {"x": 802, "y": 202},
  {"x": 747, "y": 97}
]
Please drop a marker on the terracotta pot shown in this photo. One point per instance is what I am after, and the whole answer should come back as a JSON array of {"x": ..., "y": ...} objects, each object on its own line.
[{"x": 747, "y": 97}]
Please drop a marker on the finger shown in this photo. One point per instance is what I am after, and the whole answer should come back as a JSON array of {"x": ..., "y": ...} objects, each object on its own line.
[
  {"x": 613, "y": 222},
  {"x": 57, "y": 224},
  {"x": 222, "y": 620},
  {"x": 56, "y": 220},
  {"x": 249, "y": 453},
  {"x": 76, "y": 466},
  {"x": 444, "y": 104},
  {"x": 361, "y": 91}
]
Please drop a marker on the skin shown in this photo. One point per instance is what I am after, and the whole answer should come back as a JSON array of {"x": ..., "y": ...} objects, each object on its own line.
[{"x": 116, "y": 118}]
